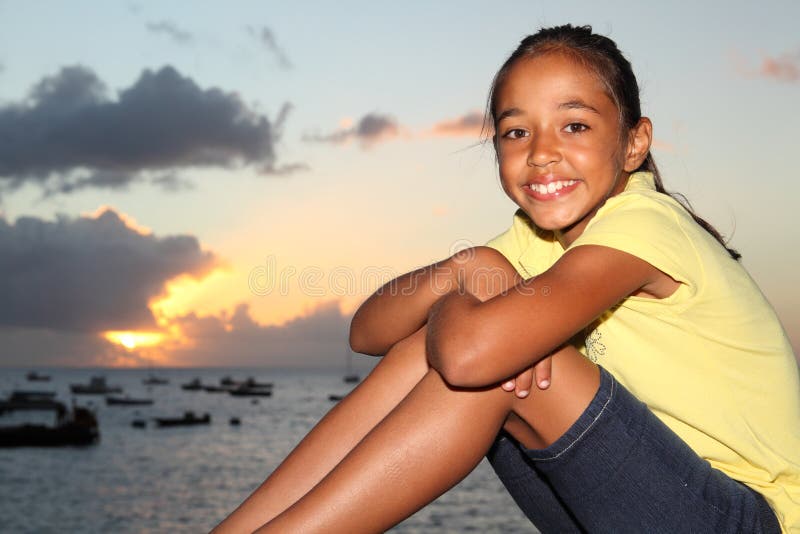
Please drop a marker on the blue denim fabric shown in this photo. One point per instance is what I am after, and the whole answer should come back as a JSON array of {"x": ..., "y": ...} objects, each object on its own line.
[{"x": 620, "y": 469}]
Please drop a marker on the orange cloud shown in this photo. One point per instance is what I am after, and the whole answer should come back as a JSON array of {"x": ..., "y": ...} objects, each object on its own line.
[
  {"x": 470, "y": 124},
  {"x": 785, "y": 68},
  {"x": 782, "y": 68},
  {"x": 663, "y": 146}
]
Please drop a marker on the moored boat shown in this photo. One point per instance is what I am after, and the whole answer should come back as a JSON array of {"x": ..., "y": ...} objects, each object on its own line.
[
  {"x": 97, "y": 386},
  {"x": 33, "y": 376},
  {"x": 248, "y": 391},
  {"x": 127, "y": 401},
  {"x": 30, "y": 400},
  {"x": 77, "y": 427},
  {"x": 192, "y": 385},
  {"x": 154, "y": 380},
  {"x": 188, "y": 419}
]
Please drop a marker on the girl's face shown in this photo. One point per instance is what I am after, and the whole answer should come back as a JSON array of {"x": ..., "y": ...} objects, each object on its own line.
[{"x": 558, "y": 143}]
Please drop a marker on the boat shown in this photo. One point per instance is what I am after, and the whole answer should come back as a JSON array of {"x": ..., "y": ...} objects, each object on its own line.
[
  {"x": 96, "y": 386},
  {"x": 139, "y": 423},
  {"x": 33, "y": 376},
  {"x": 192, "y": 385},
  {"x": 188, "y": 419},
  {"x": 253, "y": 383},
  {"x": 335, "y": 398},
  {"x": 75, "y": 427},
  {"x": 217, "y": 389},
  {"x": 226, "y": 383},
  {"x": 350, "y": 376},
  {"x": 249, "y": 391},
  {"x": 154, "y": 380},
  {"x": 230, "y": 383},
  {"x": 30, "y": 400},
  {"x": 127, "y": 401}
]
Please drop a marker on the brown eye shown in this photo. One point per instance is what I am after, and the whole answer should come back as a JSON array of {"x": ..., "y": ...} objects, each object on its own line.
[
  {"x": 576, "y": 127},
  {"x": 515, "y": 133}
]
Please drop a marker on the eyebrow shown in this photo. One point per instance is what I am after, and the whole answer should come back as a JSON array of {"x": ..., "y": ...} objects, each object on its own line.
[
  {"x": 510, "y": 112},
  {"x": 577, "y": 104}
]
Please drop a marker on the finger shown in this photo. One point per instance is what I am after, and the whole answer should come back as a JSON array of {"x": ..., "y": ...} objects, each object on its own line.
[
  {"x": 542, "y": 370},
  {"x": 508, "y": 385},
  {"x": 524, "y": 383}
]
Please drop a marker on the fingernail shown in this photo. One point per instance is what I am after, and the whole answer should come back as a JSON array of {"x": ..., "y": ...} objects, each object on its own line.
[
  {"x": 522, "y": 394},
  {"x": 508, "y": 385},
  {"x": 544, "y": 383}
]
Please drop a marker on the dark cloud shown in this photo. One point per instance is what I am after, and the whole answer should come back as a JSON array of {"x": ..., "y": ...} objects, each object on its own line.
[
  {"x": 172, "y": 183},
  {"x": 45, "y": 347},
  {"x": 316, "y": 339},
  {"x": 68, "y": 135},
  {"x": 89, "y": 273},
  {"x": 267, "y": 38},
  {"x": 370, "y": 129},
  {"x": 171, "y": 30}
]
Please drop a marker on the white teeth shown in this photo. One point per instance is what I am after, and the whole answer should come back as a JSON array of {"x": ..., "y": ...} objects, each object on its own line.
[{"x": 551, "y": 187}]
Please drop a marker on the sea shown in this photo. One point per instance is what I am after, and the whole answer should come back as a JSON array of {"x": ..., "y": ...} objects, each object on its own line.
[{"x": 186, "y": 479}]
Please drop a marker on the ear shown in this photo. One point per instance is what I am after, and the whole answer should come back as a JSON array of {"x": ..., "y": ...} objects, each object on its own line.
[{"x": 639, "y": 140}]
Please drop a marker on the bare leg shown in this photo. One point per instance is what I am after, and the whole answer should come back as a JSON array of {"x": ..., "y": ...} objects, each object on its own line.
[
  {"x": 334, "y": 436},
  {"x": 434, "y": 438}
]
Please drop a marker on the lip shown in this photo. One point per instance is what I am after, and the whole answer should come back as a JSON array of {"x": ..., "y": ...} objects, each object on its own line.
[{"x": 544, "y": 180}]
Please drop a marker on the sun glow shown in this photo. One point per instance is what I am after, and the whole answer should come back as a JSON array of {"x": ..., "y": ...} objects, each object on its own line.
[{"x": 132, "y": 340}]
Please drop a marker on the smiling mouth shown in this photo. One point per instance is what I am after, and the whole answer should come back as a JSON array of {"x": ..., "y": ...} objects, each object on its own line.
[{"x": 551, "y": 187}]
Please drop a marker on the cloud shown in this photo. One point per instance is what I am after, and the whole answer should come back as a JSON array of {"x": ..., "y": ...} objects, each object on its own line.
[
  {"x": 172, "y": 31},
  {"x": 267, "y": 38},
  {"x": 69, "y": 135},
  {"x": 91, "y": 273},
  {"x": 370, "y": 129},
  {"x": 316, "y": 339},
  {"x": 469, "y": 125},
  {"x": 783, "y": 68},
  {"x": 45, "y": 347}
]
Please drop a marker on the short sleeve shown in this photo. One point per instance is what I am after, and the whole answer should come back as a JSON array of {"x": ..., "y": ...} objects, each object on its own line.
[{"x": 652, "y": 227}]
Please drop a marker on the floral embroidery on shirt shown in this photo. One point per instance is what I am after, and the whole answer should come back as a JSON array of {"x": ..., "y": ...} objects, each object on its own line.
[{"x": 594, "y": 345}]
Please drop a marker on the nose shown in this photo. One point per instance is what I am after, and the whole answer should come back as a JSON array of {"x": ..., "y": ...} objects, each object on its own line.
[{"x": 544, "y": 150}]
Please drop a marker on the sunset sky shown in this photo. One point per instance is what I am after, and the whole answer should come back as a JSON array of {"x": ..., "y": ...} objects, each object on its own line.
[{"x": 207, "y": 183}]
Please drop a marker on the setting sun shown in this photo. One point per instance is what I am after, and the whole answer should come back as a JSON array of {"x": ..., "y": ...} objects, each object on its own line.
[{"x": 131, "y": 340}]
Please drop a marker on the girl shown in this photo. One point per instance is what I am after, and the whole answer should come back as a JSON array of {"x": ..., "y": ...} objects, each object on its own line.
[{"x": 682, "y": 415}]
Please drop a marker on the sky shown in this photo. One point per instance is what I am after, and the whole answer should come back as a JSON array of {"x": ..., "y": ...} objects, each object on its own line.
[{"x": 220, "y": 184}]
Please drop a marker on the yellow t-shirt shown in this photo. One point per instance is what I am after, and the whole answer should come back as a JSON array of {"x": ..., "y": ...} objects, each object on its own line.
[{"x": 711, "y": 361}]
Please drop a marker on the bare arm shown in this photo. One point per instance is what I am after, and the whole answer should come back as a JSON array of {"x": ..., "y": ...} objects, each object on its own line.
[
  {"x": 401, "y": 306},
  {"x": 465, "y": 335}
]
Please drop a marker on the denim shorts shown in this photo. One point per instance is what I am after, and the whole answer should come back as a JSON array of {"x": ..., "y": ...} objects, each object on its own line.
[{"x": 620, "y": 469}]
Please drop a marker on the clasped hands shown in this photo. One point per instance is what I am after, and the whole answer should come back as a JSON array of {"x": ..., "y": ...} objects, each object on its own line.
[{"x": 522, "y": 383}]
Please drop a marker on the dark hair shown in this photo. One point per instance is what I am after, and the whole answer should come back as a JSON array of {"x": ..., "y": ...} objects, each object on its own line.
[{"x": 599, "y": 54}]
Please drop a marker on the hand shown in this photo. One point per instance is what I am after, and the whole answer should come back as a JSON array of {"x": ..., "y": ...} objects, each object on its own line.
[{"x": 522, "y": 383}]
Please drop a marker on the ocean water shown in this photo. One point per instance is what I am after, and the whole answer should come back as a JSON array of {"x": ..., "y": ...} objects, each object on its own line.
[{"x": 186, "y": 479}]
